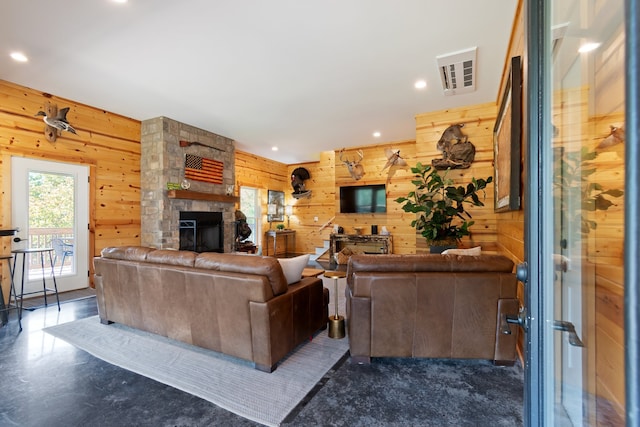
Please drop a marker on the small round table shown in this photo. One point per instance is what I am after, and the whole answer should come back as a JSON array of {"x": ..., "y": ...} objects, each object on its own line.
[{"x": 336, "y": 322}]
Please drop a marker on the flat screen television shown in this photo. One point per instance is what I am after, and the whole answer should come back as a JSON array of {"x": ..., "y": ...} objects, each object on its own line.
[{"x": 363, "y": 199}]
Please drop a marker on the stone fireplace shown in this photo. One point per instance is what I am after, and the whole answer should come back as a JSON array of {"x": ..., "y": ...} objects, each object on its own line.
[{"x": 164, "y": 211}]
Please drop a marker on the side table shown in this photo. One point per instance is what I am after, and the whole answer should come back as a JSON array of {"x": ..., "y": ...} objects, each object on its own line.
[
  {"x": 275, "y": 234},
  {"x": 311, "y": 272},
  {"x": 336, "y": 322}
]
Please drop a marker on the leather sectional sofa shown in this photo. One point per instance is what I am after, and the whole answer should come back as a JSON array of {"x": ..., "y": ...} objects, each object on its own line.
[
  {"x": 235, "y": 304},
  {"x": 432, "y": 306}
]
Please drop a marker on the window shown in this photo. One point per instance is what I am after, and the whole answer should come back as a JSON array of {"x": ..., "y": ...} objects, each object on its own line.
[{"x": 250, "y": 206}]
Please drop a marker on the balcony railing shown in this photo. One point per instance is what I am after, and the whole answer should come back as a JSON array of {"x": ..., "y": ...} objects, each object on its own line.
[{"x": 43, "y": 238}]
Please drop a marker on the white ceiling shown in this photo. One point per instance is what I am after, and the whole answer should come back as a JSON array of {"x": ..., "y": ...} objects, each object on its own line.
[{"x": 304, "y": 75}]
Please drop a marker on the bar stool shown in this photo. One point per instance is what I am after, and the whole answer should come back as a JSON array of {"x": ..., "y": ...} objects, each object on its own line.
[
  {"x": 4, "y": 309},
  {"x": 336, "y": 322},
  {"x": 44, "y": 290}
]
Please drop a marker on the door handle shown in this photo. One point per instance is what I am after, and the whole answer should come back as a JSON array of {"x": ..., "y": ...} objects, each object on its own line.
[
  {"x": 519, "y": 319},
  {"x": 565, "y": 326},
  {"x": 522, "y": 272}
]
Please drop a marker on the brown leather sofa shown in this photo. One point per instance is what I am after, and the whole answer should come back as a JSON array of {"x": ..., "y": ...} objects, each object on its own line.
[
  {"x": 431, "y": 305},
  {"x": 235, "y": 304}
]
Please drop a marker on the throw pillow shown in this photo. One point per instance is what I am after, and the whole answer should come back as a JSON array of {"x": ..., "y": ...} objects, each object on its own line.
[
  {"x": 292, "y": 267},
  {"x": 473, "y": 251}
]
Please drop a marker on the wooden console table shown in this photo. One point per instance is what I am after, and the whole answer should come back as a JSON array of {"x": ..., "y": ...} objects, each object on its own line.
[
  {"x": 367, "y": 243},
  {"x": 285, "y": 234}
]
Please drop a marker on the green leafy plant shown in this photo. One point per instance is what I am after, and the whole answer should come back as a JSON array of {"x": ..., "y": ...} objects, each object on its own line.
[
  {"x": 440, "y": 205},
  {"x": 579, "y": 194},
  {"x": 280, "y": 226}
]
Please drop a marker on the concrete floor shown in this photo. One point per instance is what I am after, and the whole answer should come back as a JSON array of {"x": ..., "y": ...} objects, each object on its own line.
[{"x": 46, "y": 381}]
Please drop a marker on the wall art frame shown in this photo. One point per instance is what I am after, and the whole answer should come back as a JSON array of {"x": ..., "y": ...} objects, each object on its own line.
[
  {"x": 507, "y": 142},
  {"x": 276, "y": 198}
]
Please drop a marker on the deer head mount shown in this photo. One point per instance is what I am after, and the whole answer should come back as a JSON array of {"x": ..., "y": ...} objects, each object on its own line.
[{"x": 354, "y": 167}]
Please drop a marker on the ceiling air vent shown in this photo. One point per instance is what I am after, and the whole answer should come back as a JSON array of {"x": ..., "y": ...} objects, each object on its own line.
[{"x": 458, "y": 71}]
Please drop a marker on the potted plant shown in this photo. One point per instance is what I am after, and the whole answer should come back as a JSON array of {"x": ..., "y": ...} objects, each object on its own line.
[{"x": 440, "y": 206}]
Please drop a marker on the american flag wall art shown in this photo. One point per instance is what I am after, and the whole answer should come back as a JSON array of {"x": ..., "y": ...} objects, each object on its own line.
[{"x": 202, "y": 169}]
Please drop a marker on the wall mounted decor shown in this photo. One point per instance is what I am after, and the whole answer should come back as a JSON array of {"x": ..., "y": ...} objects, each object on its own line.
[
  {"x": 393, "y": 159},
  {"x": 55, "y": 121},
  {"x": 353, "y": 166},
  {"x": 202, "y": 169},
  {"x": 298, "y": 176},
  {"x": 275, "y": 206},
  {"x": 507, "y": 135},
  {"x": 616, "y": 136},
  {"x": 184, "y": 144},
  {"x": 457, "y": 151}
]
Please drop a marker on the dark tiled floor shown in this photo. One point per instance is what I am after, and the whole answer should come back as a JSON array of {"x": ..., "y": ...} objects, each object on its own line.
[{"x": 48, "y": 382}]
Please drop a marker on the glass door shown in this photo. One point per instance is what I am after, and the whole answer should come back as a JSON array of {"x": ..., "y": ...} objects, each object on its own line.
[
  {"x": 575, "y": 225},
  {"x": 50, "y": 210}
]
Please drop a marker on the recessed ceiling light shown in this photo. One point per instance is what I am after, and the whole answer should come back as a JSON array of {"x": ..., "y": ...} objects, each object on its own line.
[
  {"x": 376, "y": 134},
  {"x": 588, "y": 47},
  {"x": 19, "y": 56},
  {"x": 119, "y": 1},
  {"x": 274, "y": 148},
  {"x": 420, "y": 84}
]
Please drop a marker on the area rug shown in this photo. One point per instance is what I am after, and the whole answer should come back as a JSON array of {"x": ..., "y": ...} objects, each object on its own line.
[{"x": 231, "y": 383}]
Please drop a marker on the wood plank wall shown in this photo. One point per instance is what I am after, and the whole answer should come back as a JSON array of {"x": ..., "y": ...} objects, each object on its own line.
[
  {"x": 478, "y": 121},
  {"x": 329, "y": 174},
  {"x": 510, "y": 234},
  {"x": 606, "y": 245},
  {"x": 397, "y": 180},
  {"x": 606, "y": 252},
  {"x": 108, "y": 143},
  {"x": 313, "y": 217}
]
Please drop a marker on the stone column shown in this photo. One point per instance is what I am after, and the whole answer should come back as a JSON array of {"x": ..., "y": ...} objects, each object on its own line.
[{"x": 162, "y": 162}]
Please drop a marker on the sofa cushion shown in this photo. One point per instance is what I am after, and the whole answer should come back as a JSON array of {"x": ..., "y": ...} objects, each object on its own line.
[
  {"x": 472, "y": 251},
  {"x": 172, "y": 257},
  {"x": 292, "y": 267},
  {"x": 232, "y": 263},
  {"x": 129, "y": 253},
  {"x": 429, "y": 262}
]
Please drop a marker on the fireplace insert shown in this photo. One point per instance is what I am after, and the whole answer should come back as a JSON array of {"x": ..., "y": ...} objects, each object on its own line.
[{"x": 201, "y": 231}]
